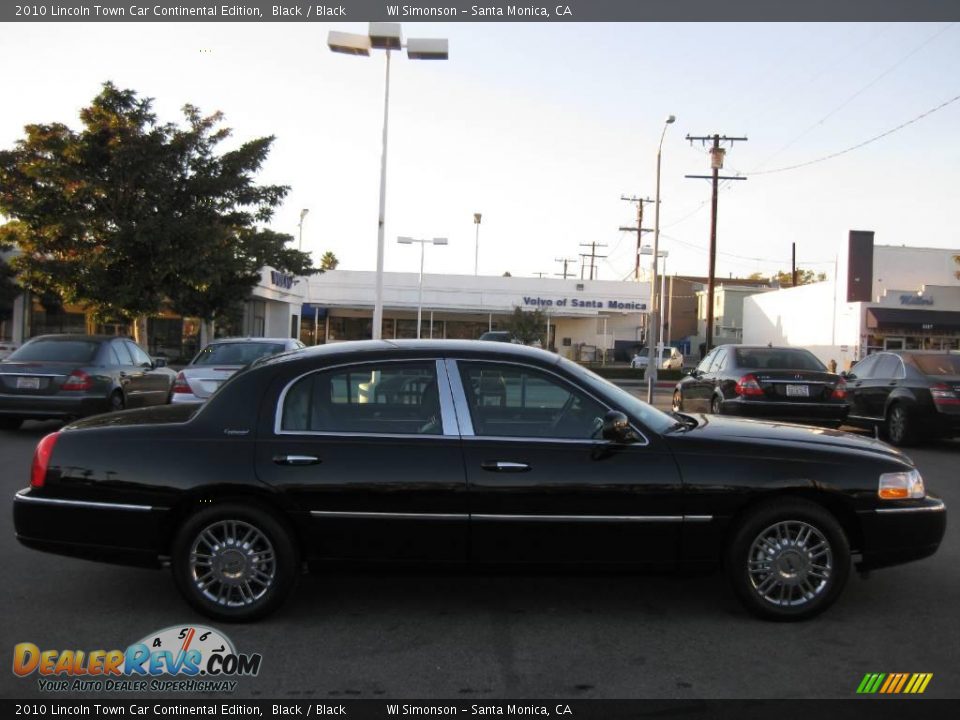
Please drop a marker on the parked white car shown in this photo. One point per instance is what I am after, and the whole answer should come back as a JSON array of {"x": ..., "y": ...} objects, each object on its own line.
[
  {"x": 219, "y": 360},
  {"x": 670, "y": 359}
]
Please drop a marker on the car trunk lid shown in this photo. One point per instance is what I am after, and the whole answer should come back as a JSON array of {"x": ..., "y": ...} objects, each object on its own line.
[
  {"x": 205, "y": 380},
  {"x": 803, "y": 386}
]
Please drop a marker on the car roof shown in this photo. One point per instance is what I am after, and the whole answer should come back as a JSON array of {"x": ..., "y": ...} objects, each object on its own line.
[
  {"x": 416, "y": 348},
  {"x": 221, "y": 341},
  {"x": 77, "y": 336}
]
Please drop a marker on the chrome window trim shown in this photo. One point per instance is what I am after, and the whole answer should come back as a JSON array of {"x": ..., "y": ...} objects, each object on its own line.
[
  {"x": 21, "y": 496},
  {"x": 30, "y": 374},
  {"x": 939, "y": 507},
  {"x": 465, "y": 434},
  {"x": 462, "y": 408},
  {"x": 448, "y": 414},
  {"x": 796, "y": 382},
  {"x": 447, "y": 423},
  {"x": 388, "y": 516}
]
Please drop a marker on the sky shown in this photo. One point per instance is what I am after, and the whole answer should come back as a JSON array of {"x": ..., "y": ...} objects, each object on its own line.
[{"x": 542, "y": 127}]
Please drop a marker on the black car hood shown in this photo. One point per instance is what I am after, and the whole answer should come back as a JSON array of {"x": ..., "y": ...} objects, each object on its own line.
[
  {"x": 158, "y": 415},
  {"x": 719, "y": 429}
]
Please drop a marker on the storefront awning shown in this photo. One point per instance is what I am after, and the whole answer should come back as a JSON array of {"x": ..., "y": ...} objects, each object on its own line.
[
  {"x": 311, "y": 310},
  {"x": 923, "y": 321}
]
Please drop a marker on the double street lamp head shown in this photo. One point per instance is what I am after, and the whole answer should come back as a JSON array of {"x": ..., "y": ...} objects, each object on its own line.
[{"x": 387, "y": 36}]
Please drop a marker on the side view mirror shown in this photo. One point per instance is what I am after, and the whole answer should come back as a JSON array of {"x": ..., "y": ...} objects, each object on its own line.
[
  {"x": 616, "y": 428},
  {"x": 159, "y": 362}
]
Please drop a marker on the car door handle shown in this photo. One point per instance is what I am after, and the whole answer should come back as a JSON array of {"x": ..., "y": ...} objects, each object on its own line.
[
  {"x": 296, "y": 460},
  {"x": 501, "y": 466}
]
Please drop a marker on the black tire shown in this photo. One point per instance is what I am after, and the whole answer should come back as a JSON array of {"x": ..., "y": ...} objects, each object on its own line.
[
  {"x": 248, "y": 578},
  {"x": 777, "y": 577},
  {"x": 677, "y": 401},
  {"x": 117, "y": 401},
  {"x": 900, "y": 427},
  {"x": 716, "y": 406},
  {"x": 8, "y": 423}
]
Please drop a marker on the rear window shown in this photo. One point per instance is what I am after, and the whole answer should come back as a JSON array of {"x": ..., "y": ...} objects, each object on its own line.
[
  {"x": 236, "y": 353},
  {"x": 778, "y": 359},
  {"x": 81, "y": 352},
  {"x": 936, "y": 364}
]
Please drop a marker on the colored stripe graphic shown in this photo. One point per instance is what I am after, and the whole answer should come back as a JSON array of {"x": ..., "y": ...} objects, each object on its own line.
[{"x": 894, "y": 683}]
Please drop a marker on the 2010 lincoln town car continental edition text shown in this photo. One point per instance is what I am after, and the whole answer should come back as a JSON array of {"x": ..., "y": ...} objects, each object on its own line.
[{"x": 455, "y": 452}]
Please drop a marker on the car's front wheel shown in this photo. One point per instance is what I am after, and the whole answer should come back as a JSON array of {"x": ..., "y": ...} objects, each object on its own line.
[
  {"x": 234, "y": 562},
  {"x": 788, "y": 560}
]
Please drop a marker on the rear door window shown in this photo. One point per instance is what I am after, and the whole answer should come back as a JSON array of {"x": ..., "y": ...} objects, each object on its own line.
[{"x": 887, "y": 368}]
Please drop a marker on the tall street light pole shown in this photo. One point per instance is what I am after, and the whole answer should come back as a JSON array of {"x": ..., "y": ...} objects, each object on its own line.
[
  {"x": 385, "y": 36},
  {"x": 652, "y": 314},
  {"x": 476, "y": 244},
  {"x": 303, "y": 214},
  {"x": 410, "y": 241}
]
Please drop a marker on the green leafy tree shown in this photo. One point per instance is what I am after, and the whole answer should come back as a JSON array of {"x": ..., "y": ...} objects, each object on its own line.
[
  {"x": 329, "y": 261},
  {"x": 527, "y": 326},
  {"x": 128, "y": 213},
  {"x": 785, "y": 278}
]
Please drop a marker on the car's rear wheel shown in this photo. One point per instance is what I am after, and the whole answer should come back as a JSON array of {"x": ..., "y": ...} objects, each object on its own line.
[
  {"x": 716, "y": 405},
  {"x": 788, "y": 560},
  {"x": 900, "y": 427},
  {"x": 10, "y": 423},
  {"x": 234, "y": 562},
  {"x": 677, "y": 401}
]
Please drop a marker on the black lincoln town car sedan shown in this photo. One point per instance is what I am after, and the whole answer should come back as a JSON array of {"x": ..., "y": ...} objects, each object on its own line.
[{"x": 465, "y": 452}]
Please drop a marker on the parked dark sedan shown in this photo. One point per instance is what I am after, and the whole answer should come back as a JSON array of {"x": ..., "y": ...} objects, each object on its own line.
[
  {"x": 910, "y": 395},
  {"x": 69, "y": 376},
  {"x": 770, "y": 383},
  {"x": 457, "y": 452}
]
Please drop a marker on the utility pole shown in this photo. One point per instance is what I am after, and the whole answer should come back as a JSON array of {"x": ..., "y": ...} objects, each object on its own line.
[
  {"x": 639, "y": 229},
  {"x": 566, "y": 262},
  {"x": 592, "y": 255},
  {"x": 716, "y": 163},
  {"x": 793, "y": 264},
  {"x": 540, "y": 274}
]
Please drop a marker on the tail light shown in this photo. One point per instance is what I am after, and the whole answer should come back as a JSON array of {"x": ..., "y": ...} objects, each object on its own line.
[
  {"x": 748, "y": 385},
  {"x": 840, "y": 391},
  {"x": 180, "y": 385},
  {"x": 944, "y": 395},
  {"x": 78, "y": 380},
  {"x": 41, "y": 460}
]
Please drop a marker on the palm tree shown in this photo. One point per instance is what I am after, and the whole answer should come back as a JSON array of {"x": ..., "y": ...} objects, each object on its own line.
[{"x": 329, "y": 261}]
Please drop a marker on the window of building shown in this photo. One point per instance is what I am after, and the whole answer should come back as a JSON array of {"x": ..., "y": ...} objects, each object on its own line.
[
  {"x": 511, "y": 401},
  {"x": 388, "y": 398},
  {"x": 349, "y": 328}
]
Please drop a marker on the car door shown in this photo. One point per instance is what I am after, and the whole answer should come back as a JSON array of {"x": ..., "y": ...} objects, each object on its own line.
[
  {"x": 860, "y": 374},
  {"x": 544, "y": 486},
  {"x": 154, "y": 384},
  {"x": 698, "y": 387},
  {"x": 129, "y": 374},
  {"x": 369, "y": 457},
  {"x": 885, "y": 376}
]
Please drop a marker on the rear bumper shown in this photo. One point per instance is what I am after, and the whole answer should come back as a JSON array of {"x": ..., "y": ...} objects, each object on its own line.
[
  {"x": 106, "y": 532},
  {"x": 43, "y": 407},
  {"x": 896, "y": 535},
  {"x": 180, "y": 398},
  {"x": 801, "y": 412}
]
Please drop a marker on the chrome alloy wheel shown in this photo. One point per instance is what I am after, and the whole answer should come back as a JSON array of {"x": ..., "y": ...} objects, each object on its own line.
[
  {"x": 232, "y": 563},
  {"x": 790, "y": 564}
]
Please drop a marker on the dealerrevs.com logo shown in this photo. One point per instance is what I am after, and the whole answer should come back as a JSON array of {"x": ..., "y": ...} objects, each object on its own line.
[{"x": 181, "y": 658}]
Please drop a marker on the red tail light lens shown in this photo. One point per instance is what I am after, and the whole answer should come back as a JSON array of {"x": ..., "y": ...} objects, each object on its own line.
[
  {"x": 180, "y": 385},
  {"x": 41, "y": 460},
  {"x": 78, "y": 380},
  {"x": 748, "y": 385},
  {"x": 840, "y": 391},
  {"x": 944, "y": 395}
]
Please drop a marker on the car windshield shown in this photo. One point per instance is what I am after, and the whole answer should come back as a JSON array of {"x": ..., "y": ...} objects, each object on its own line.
[
  {"x": 80, "y": 352},
  {"x": 236, "y": 353},
  {"x": 778, "y": 359},
  {"x": 651, "y": 417},
  {"x": 936, "y": 364}
]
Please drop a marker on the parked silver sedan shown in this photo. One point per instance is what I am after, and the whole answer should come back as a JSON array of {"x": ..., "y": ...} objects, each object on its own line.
[{"x": 219, "y": 360}]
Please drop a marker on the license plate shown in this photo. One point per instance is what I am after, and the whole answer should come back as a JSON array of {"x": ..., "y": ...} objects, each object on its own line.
[
  {"x": 28, "y": 383},
  {"x": 798, "y": 391}
]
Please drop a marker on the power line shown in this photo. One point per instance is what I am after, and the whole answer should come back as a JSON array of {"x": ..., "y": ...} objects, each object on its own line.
[{"x": 861, "y": 144}]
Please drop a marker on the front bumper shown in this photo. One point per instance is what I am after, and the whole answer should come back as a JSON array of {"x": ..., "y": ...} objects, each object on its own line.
[
  {"x": 909, "y": 531},
  {"x": 107, "y": 532}
]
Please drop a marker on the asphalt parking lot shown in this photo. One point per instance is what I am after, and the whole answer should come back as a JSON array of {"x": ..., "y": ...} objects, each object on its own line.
[{"x": 499, "y": 635}]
